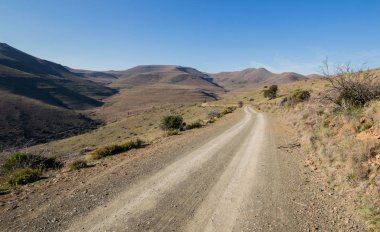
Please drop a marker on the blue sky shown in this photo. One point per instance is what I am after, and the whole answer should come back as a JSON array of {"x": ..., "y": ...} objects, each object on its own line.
[{"x": 211, "y": 36}]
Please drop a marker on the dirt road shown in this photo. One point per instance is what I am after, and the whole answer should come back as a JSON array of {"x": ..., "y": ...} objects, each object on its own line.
[{"x": 234, "y": 179}]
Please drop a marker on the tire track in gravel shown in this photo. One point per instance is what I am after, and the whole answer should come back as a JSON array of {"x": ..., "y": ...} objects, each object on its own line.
[{"x": 143, "y": 197}]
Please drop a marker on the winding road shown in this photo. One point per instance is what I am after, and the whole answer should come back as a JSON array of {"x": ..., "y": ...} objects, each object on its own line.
[{"x": 227, "y": 163}]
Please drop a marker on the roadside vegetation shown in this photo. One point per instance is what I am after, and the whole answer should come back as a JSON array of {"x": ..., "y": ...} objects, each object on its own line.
[
  {"x": 338, "y": 124},
  {"x": 24, "y": 168},
  {"x": 270, "y": 92},
  {"x": 295, "y": 97},
  {"x": 31, "y": 165},
  {"x": 78, "y": 164},
  {"x": 174, "y": 124},
  {"x": 114, "y": 149}
]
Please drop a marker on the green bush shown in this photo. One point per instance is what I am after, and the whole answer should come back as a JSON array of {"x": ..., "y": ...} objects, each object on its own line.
[
  {"x": 172, "y": 132},
  {"x": 23, "y": 176},
  {"x": 197, "y": 124},
  {"x": 228, "y": 110},
  {"x": 171, "y": 122},
  {"x": 78, "y": 164},
  {"x": 295, "y": 97},
  {"x": 271, "y": 93},
  {"x": 116, "y": 149},
  {"x": 26, "y": 160},
  {"x": 363, "y": 127}
]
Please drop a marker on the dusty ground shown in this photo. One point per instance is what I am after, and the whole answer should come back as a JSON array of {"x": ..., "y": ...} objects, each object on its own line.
[{"x": 237, "y": 175}]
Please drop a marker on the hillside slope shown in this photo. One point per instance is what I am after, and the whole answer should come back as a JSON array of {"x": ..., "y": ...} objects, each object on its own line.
[
  {"x": 252, "y": 77},
  {"x": 25, "y": 122},
  {"x": 165, "y": 75},
  {"x": 39, "y": 99},
  {"x": 51, "y": 83},
  {"x": 147, "y": 86}
]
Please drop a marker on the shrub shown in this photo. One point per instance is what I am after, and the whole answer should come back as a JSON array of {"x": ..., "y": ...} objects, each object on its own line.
[
  {"x": 271, "y": 93},
  {"x": 351, "y": 88},
  {"x": 197, "y": 124},
  {"x": 211, "y": 120},
  {"x": 295, "y": 97},
  {"x": 171, "y": 122},
  {"x": 213, "y": 114},
  {"x": 26, "y": 160},
  {"x": 78, "y": 164},
  {"x": 228, "y": 110},
  {"x": 116, "y": 149},
  {"x": 23, "y": 176},
  {"x": 364, "y": 127},
  {"x": 172, "y": 132},
  {"x": 240, "y": 104}
]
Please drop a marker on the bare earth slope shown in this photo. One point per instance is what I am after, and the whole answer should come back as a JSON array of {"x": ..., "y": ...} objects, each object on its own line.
[
  {"x": 228, "y": 177},
  {"x": 51, "y": 83},
  {"x": 147, "y": 86},
  {"x": 39, "y": 99},
  {"x": 25, "y": 122}
]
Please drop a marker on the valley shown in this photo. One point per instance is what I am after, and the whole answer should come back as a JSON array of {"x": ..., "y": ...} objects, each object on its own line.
[{"x": 240, "y": 160}]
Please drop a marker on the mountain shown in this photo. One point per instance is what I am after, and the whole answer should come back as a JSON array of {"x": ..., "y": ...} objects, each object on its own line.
[
  {"x": 165, "y": 75},
  {"x": 48, "y": 82},
  {"x": 39, "y": 99},
  {"x": 146, "y": 86},
  {"x": 25, "y": 121},
  {"x": 93, "y": 75},
  {"x": 252, "y": 77}
]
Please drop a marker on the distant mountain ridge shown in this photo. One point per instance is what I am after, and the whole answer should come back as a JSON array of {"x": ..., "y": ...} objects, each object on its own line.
[
  {"x": 41, "y": 100},
  {"x": 254, "y": 77},
  {"x": 165, "y": 74}
]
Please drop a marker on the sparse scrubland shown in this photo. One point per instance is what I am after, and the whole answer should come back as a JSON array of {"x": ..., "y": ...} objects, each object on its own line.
[
  {"x": 114, "y": 149},
  {"x": 83, "y": 151},
  {"x": 337, "y": 120},
  {"x": 173, "y": 124},
  {"x": 78, "y": 164},
  {"x": 24, "y": 168}
]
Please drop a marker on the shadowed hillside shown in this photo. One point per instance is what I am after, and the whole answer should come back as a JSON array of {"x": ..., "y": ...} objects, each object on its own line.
[
  {"x": 146, "y": 86},
  {"x": 24, "y": 121},
  {"x": 38, "y": 99},
  {"x": 25, "y": 75}
]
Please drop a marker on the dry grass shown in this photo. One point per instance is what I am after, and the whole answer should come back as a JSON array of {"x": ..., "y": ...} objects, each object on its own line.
[
  {"x": 143, "y": 124},
  {"x": 343, "y": 144},
  {"x": 114, "y": 149},
  {"x": 78, "y": 164}
]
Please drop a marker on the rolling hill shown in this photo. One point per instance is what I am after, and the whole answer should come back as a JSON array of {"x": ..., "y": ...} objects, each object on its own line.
[
  {"x": 252, "y": 77},
  {"x": 25, "y": 121},
  {"x": 39, "y": 99},
  {"x": 48, "y": 82},
  {"x": 147, "y": 86},
  {"x": 165, "y": 75},
  {"x": 42, "y": 100}
]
